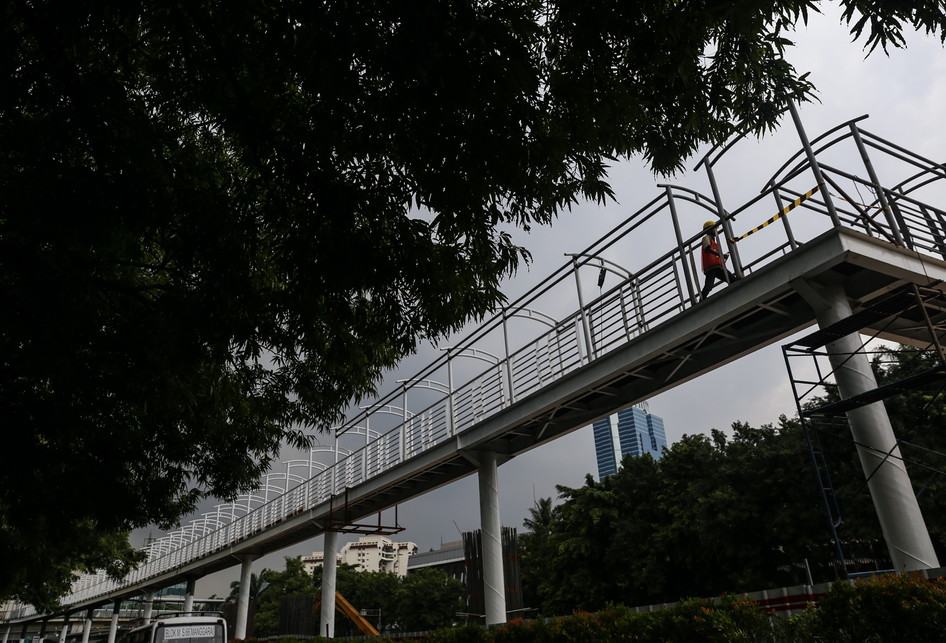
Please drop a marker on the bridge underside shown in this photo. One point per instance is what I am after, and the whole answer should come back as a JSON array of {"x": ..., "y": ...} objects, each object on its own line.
[{"x": 761, "y": 309}]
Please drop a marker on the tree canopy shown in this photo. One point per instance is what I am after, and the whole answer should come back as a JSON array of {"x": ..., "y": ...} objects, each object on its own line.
[
  {"x": 220, "y": 223},
  {"x": 422, "y": 600},
  {"x": 721, "y": 514}
]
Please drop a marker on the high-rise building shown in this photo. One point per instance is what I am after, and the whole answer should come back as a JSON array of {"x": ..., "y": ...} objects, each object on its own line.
[{"x": 631, "y": 431}]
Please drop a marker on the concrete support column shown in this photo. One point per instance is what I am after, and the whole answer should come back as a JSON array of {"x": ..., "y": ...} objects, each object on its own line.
[
  {"x": 189, "y": 594},
  {"x": 149, "y": 605},
  {"x": 891, "y": 491},
  {"x": 113, "y": 626},
  {"x": 6, "y": 633},
  {"x": 329, "y": 569},
  {"x": 243, "y": 601},
  {"x": 494, "y": 585},
  {"x": 63, "y": 633},
  {"x": 87, "y": 626}
]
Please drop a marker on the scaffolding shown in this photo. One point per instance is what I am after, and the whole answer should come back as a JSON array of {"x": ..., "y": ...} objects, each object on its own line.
[{"x": 911, "y": 315}]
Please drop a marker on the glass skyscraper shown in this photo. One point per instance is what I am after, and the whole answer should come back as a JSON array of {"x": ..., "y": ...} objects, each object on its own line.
[{"x": 631, "y": 431}]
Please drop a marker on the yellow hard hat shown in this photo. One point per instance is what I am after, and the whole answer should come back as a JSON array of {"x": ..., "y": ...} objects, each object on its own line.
[{"x": 709, "y": 224}]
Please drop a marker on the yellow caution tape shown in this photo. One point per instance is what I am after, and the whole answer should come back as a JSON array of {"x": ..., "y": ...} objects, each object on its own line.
[{"x": 794, "y": 204}]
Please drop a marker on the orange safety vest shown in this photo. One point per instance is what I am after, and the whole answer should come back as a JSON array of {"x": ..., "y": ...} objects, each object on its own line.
[{"x": 709, "y": 259}]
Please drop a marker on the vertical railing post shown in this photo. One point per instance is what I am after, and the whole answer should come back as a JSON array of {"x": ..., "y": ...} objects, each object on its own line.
[
  {"x": 784, "y": 218},
  {"x": 727, "y": 224},
  {"x": 451, "y": 408},
  {"x": 934, "y": 230},
  {"x": 683, "y": 259},
  {"x": 898, "y": 228},
  {"x": 585, "y": 324},
  {"x": 694, "y": 269},
  {"x": 639, "y": 306},
  {"x": 676, "y": 281},
  {"x": 364, "y": 455},
  {"x": 624, "y": 316},
  {"x": 509, "y": 383},
  {"x": 309, "y": 481},
  {"x": 402, "y": 434},
  {"x": 813, "y": 162},
  {"x": 335, "y": 465}
]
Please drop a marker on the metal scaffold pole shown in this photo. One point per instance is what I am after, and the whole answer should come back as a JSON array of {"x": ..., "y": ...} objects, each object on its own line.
[{"x": 891, "y": 490}]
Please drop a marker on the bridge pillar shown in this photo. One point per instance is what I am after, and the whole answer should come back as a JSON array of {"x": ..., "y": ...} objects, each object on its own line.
[
  {"x": 65, "y": 629},
  {"x": 890, "y": 488},
  {"x": 189, "y": 595},
  {"x": 494, "y": 585},
  {"x": 149, "y": 605},
  {"x": 87, "y": 626},
  {"x": 329, "y": 570},
  {"x": 243, "y": 601},
  {"x": 113, "y": 626}
]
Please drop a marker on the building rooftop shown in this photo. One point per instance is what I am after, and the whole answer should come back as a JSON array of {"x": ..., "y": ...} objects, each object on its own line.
[{"x": 448, "y": 553}]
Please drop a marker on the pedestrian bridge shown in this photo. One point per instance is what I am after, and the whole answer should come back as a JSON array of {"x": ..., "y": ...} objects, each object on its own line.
[{"x": 619, "y": 322}]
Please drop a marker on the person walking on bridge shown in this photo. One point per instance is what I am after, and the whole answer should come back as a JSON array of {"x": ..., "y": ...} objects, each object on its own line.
[{"x": 713, "y": 260}]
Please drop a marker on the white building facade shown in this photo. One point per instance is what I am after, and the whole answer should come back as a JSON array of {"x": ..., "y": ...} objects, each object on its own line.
[{"x": 369, "y": 554}]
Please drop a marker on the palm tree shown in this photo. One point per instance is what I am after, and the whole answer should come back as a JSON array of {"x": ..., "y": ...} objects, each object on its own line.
[
  {"x": 258, "y": 585},
  {"x": 541, "y": 516}
]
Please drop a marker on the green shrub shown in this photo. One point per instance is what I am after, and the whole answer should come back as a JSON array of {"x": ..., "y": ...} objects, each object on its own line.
[
  {"x": 893, "y": 607},
  {"x": 696, "y": 619},
  {"x": 797, "y": 628},
  {"x": 888, "y": 608},
  {"x": 461, "y": 634}
]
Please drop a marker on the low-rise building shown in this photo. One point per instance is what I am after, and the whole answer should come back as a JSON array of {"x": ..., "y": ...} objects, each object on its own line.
[{"x": 369, "y": 554}]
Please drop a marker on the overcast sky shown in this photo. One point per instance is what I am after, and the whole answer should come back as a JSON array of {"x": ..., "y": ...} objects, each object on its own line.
[{"x": 904, "y": 94}]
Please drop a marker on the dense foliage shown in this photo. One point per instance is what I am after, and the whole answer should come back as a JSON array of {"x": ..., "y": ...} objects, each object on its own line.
[
  {"x": 220, "y": 222},
  {"x": 719, "y": 514},
  {"x": 884, "y": 609},
  {"x": 887, "y": 608},
  {"x": 422, "y": 600},
  {"x": 711, "y": 516}
]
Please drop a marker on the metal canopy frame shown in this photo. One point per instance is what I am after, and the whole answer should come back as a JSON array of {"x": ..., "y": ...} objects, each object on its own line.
[{"x": 345, "y": 524}]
